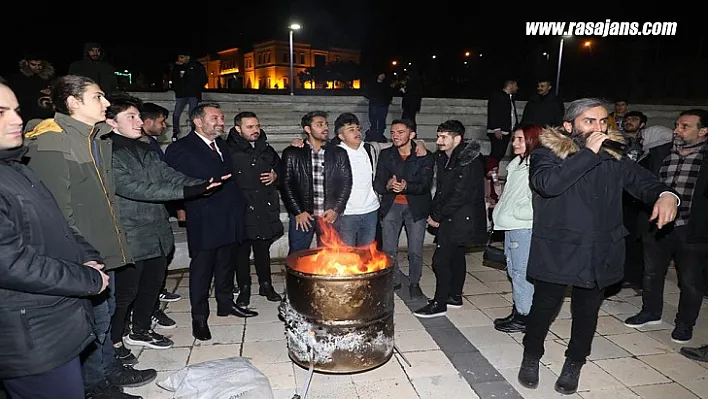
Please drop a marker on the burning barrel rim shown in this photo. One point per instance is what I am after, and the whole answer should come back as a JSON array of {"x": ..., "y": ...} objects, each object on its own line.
[{"x": 292, "y": 259}]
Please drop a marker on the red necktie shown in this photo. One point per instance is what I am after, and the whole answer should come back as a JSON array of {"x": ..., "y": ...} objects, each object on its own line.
[{"x": 213, "y": 148}]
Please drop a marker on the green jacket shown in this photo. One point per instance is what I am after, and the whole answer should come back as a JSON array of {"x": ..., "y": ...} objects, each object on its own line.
[
  {"x": 61, "y": 152},
  {"x": 143, "y": 184}
]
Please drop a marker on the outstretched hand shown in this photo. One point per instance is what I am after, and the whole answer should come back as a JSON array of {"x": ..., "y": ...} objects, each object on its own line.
[
  {"x": 665, "y": 210},
  {"x": 213, "y": 184}
]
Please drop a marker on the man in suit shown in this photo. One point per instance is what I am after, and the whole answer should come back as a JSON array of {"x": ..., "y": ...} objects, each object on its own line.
[
  {"x": 214, "y": 223},
  {"x": 501, "y": 119}
]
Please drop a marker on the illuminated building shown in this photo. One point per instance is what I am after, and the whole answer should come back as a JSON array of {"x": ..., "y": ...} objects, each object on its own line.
[{"x": 267, "y": 66}]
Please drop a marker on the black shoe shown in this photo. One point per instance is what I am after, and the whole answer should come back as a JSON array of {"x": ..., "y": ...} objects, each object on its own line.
[
  {"x": 236, "y": 311},
  {"x": 642, "y": 319},
  {"x": 244, "y": 296},
  {"x": 128, "y": 377},
  {"x": 200, "y": 330},
  {"x": 124, "y": 356},
  {"x": 528, "y": 373},
  {"x": 415, "y": 291},
  {"x": 516, "y": 324},
  {"x": 567, "y": 382},
  {"x": 166, "y": 296},
  {"x": 682, "y": 333},
  {"x": 106, "y": 390},
  {"x": 266, "y": 289},
  {"x": 432, "y": 309},
  {"x": 148, "y": 339},
  {"x": 454, "y": 301},
  {"x": 699, "y": 354},
  {"x": 160, "y": 319},
  {"x": 507, "y": 318}
]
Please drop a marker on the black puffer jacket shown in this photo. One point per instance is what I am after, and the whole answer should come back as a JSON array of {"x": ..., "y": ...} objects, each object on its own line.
[
  {"x": 459, "y": 198},
  {"x": 44, "y": 320},
  {"x": 262, "y": 218},
  {"x": 297, "y": 187}
]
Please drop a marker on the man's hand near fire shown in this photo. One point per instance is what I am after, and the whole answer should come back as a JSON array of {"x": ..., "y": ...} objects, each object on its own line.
[
  {"x": 302, "y": 221},
  {"x": 329, "y": 216}
]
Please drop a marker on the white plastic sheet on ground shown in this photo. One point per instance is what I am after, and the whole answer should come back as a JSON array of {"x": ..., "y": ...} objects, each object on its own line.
[{"x": 232, "y": 378}]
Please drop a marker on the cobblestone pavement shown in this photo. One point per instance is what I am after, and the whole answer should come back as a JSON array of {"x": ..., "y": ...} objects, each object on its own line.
[{"x": 460, "y": 355}]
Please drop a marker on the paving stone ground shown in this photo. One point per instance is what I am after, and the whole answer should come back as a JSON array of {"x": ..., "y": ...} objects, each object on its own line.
[{"x": 460, "y": 355}]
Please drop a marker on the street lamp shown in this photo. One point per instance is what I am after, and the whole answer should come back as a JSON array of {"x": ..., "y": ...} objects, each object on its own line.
[
  {"x": 292, "y": 27},
  {"x": 560, "y": 58}
]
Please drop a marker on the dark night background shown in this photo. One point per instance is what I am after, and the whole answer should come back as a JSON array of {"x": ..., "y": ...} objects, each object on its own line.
[{"x": 145, "y": 38}]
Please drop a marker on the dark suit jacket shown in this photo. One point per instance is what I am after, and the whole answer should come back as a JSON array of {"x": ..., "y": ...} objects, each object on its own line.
[
  {"x": 499, "y": 112},
  {"x": 216, "y": 219}
]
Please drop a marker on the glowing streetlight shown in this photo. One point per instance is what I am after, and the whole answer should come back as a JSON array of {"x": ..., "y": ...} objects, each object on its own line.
[
  {"x": 292, "y": 27},
  {"x": 467, "y": 53},
  {"x": 587, "y": 44},
  {"x": 560, "y": 58},
  {"x": 435, "y": 56},
  {"x": 394, "y": 63}
]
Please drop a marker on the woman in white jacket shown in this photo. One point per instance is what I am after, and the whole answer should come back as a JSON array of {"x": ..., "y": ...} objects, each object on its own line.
[{"x": 514, "y": 214}]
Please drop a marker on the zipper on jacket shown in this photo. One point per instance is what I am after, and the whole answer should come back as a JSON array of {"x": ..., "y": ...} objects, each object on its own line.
[
  {"x": 105, "y": 192},
  {"x": 26, "y": 328}
]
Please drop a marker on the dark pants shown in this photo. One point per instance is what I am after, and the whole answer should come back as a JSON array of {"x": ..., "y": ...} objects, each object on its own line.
[
  {"x": 690, "y": 261},
  {"x": 99, "y": 357},
  {"x": 180, "y": 103},
  {"x": 499, "y": 146},
  {"x": 450, "y": 269},
  {"x": 377, "y": 119},
  {"x": 261, "y": 259},
  {"x": 216, "y": 263},
  {"x": 138, "y": 285},
  {"x": 298, "y": 239},
  {"x": 63, "y": 382},
  {"x": 409, "y": 112},
  {"x": 168, "y": 260},
  {"x": 634, "y": 261},
  {"x": 547, "y": 300}
]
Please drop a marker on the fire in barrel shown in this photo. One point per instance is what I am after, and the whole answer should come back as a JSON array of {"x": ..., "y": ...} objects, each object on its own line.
[{"x": 338, "y": 308}]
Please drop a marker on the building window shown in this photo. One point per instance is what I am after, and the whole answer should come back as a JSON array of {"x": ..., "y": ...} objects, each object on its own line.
[
  {"x": 286, "y": 58},
  {"x": 285, "y": 83},
  {"x": 302, "y": 58},
  {"x": 269, "y": 86},
  {"x": 268, "y": 57}
]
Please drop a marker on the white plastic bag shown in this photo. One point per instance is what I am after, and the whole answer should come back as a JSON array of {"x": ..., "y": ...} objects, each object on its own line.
[{"x": 231, "y": 378}]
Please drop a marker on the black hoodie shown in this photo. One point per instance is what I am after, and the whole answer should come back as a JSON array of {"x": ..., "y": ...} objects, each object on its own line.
[{"x": 99, "y": 71}]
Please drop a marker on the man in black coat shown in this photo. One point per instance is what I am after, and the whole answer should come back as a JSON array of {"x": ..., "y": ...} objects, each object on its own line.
[
  {"x": 46, "y": 271},
  {"x": 578, "y": 231},
  {"x": 545, "y": 109},
  {"x": 317, "y": 182},
  {"x": 502, "y": 118},
  {"x": 215, "y": 222},
  {"x": 255, "y": 165}
]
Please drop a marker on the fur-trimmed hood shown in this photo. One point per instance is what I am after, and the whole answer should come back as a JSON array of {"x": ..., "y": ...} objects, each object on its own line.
[
  {"x": 465, "y": 153},
  {"x": 561, "y": 144},
  {"x": 46, "y": 73}
]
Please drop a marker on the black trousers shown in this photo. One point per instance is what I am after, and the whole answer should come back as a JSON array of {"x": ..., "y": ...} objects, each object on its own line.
[
  {"x": 216, "y": 263},
  {"x": 547, "y": 300},
  {"x": 499, "y": 146},
  {"x": 450, "y": 267},
  {"x": 261, "y": 259},
  {"x": 691, "y": 261},
  {"x": 138, "y": 285}
]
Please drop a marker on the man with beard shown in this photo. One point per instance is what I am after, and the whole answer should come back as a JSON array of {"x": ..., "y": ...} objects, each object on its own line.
[
  {"x": 404, "y": 180},
  {"x": 255, "y": 163},
  {"x": 31, "y": 85},
  {"x": 94, "y": 67},
  {"x": 578, "y": 237},
  {"x": 685, "y": 240},
  {"x": 544, "y": 109},
  {"x": 215, "y": 222}
]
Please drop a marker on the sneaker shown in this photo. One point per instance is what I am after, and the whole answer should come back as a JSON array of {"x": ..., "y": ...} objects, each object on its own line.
[
  {"x": 682, "y": 334},
  {"x": 432, "y": 309},
  {"x": 148, "y": 339},
  {"x": 642, "y": 319},
  {"x": 125, "y": 356},
  {"x": 454, "y": 301},
  {"x": 528, "y": 373},
  {"x": 106, "y": 390},
  {"x": 160, "y": 319},
  {"x": 700, "y": 354},
  {"x": 166, "y": 296},
  {"x": 128, "y": 377}
]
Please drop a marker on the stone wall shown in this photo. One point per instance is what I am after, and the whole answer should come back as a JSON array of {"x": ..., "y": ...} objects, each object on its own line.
[{"x": 280, "y": 117}]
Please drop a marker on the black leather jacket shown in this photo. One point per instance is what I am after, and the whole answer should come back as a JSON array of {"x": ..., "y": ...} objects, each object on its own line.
[{"x": 297, "y": 187}]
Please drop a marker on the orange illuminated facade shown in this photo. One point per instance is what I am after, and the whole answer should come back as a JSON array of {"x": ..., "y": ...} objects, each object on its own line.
[{"x": 268, "y": 66}]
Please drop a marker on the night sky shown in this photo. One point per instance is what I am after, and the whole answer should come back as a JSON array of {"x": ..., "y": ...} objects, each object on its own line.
[{"x": 147, "y": 37}]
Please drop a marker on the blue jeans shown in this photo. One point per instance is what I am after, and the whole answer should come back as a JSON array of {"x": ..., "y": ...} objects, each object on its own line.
[
  {"x": 298, "y": 239},
  {"x": 517, "y": 244},
  {"x": 180, "y": 103},
  {"x": 100, "y": 355},
  {"x": 357, "y": 230},
  {"x": 63, "y": 382},
  {"x": 398, "y": 216}
]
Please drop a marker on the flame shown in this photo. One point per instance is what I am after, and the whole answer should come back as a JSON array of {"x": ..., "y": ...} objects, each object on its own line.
[{"x": 338, "y": 259}]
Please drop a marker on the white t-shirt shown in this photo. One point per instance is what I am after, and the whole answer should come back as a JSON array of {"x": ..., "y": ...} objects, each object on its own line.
[{"x": 363, "y": 198}]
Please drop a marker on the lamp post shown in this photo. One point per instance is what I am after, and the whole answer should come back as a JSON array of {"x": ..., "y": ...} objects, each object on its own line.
[
  {"x": 560, "y": 58},
  {"x": 292, "y": 27}
]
